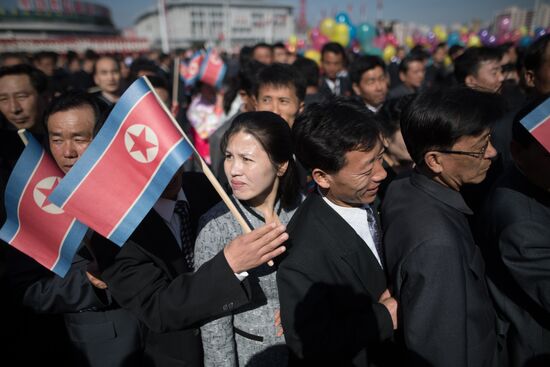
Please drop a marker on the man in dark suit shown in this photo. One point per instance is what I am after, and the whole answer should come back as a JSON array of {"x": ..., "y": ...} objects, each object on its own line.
[
  {"x": 436, "y": 269},
  {"x": 335, "y": 80},
  {"x": 515, "y": 227},
  {"x": 335, "y": 306},
  {"x": 101, "y": 333}
]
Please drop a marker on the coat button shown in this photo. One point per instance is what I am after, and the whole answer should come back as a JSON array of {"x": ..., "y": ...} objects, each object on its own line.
[
  {"x": 224, "y": 307},
  {"x": 230, "y": 305}
]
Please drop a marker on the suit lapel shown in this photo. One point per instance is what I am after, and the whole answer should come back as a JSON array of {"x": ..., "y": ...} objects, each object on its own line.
[{"x": 351, "y": 248}]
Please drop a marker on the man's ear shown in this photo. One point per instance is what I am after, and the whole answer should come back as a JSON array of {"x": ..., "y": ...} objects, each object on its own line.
[
  {"x": 470, "y": 81},
  {"x": 529, "y": 78},
  {"x": 432, "y": 159},
  {"x": 321, "y": 178},
  {"x": 301, "y": 108},
  {"x": 254, "y": 102},
  {"x": 402, "y": 76},
  {"x": 356, "y": 89}
]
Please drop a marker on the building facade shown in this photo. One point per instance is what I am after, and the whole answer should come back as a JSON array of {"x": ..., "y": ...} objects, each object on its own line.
[{"x": 224, "y": 23}]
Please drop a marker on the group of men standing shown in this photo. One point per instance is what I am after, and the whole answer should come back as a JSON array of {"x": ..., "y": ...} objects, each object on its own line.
[{"x": 432, "y": 276}]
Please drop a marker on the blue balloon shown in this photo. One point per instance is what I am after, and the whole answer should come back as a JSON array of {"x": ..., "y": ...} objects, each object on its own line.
[
  {"x": 369, "y": 49},
  {"x": 352, "y": 31},
  {"x": 525, "y": 41},
  {"x": 365, "y": 33},
  {"x": 453, "y": 39},
  {"x": 539, "y": 32},
  {"x": 342, "y": 17}
]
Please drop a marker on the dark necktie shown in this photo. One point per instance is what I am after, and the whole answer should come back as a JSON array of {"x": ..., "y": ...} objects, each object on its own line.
[
  {"x": 375, "y": 233},
  {"x": 182, "y": 210}
]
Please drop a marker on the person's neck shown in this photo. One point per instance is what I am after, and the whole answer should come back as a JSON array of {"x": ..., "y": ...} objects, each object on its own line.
[
  {"x": 312, "y": 90},
  {"x": 439, "y": 178},
  {"x": 266, "y": 205},
  {"x": 111, "y": 97}
]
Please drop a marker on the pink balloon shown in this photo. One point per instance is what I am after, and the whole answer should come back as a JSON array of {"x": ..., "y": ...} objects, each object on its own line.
[
  {"x": 390, "y": 38},
  {"x": 464, "y": 38},
  {"x": 380, "y": 41},
  {"x": 315, "y": 33},
  {"x": 319, "y": 42}
]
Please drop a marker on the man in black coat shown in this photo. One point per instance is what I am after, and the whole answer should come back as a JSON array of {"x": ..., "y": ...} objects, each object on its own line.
[
  {"x": 515, "y": 225},
  {"x": 335, "y": 306},
  {"x": 436, "y": 270}
]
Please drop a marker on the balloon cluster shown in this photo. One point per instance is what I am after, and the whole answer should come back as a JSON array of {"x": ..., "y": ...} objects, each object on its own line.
[{"x": 367, "y": 39}]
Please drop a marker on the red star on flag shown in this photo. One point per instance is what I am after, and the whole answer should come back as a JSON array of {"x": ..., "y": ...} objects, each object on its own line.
[
  {"x": 141, "y": 143},
  {"x": 46, "y": 192}
]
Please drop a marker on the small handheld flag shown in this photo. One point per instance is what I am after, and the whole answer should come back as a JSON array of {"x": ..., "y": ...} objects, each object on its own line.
[
  {"x": 212, "y": 69},
  {"x": 34, "y": 225},
  {"x": 537, "y": 122},
  {"x": 189, "y": 71},
  {"x": 125, "y": 169}
]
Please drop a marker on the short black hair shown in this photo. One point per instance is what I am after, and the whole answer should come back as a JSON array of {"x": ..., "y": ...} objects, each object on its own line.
[
  {"x": 534, "y": 55},
  {"x": 363, "y": 64},
  {"x": 325, "y": 132},
  {"x": 46, "y": 55},
  {"x": 309, "y": 69},
  {"x": 281, "y": 75},
  {"x": 436, "y": 119},
  {"x": 410, "y": 58},
  {"x": 391, "y": 112},
  {"x": 261, "y": 45},
  {"x": 335, "y": 48},
  {"x": 274, "y": 134},
  {"x": 71, "y": 100},
  {"x": 469, "y": 62},
  {"x": 454, "y": 49},
  {"x": 38, "y": 79},
  {"x": 278, "y": 45}
]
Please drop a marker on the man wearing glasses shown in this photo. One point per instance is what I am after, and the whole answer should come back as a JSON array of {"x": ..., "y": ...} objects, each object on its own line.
[{"x": 436, "y": 269}]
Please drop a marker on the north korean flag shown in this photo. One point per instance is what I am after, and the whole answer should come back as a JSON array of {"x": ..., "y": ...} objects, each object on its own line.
[
  {"x": 126, "y": 167},
  {"x": 537, "y": 122},
  {"x": 189, "y": 71},
  {"x": 34, "y": 225},
  {"x": 212, "y": 69}
]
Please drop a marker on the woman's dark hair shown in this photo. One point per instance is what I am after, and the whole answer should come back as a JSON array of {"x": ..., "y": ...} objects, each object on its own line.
[
  {"x": 437, "y": 119},
  {"x": 273, "y": 133}
]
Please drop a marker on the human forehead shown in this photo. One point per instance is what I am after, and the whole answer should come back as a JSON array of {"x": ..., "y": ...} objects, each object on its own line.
[
  {"x": 358, "y": 160},
  {"x": 471, "y": 140},
  {"x": 287, "y": 91},
  {"x": 106, "y": 64},
  {"x": 243, "y": 142},
  {"x": 15, "y": 83},
  {"x": 488, "y": 65},
  {"x": 80, "y": 119},
  {"x": 375, "y": 72}
]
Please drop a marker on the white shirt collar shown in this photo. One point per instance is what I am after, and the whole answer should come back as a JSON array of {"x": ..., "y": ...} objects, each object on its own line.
[{"x": 165, "y": 207}]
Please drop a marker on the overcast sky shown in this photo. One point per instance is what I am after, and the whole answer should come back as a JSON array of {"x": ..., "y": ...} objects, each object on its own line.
[{"x": 420, "y": 11}]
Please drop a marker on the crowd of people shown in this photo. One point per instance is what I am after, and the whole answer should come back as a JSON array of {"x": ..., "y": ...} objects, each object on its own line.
[{"x": 404, "y": 205}]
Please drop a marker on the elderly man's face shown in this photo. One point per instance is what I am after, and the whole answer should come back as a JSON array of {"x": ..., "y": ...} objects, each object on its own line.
[{"x": 19, "y": 101}]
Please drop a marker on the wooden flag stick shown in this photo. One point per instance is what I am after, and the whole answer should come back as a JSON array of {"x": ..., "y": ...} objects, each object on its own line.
[
  {"x": 206, "y": 170},
  {"x": 21, "y": 133},
  {"x": 175, "y": 81}
]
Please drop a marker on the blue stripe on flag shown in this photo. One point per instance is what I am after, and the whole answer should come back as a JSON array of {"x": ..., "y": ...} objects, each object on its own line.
[
  {"x": 103, "y": 139},
  {"x": 70, "y": 245},
  {"x": 538, "y": 115},
  {"x": 221, "y": 76},
  {"x": 150, "y": 195},
  {"x": 20, "y": 176}
]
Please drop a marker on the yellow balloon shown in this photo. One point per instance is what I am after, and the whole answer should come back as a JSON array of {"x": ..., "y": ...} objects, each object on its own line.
[
  {"x": 523, "y": 31},
  {"x": 448, "y": 61},
  {"x": 340, "y": 34},
  {"x": 313, "y": 55},
  {"x": 464, "y": 30},
  {"x": 292, "y": 40},
  {"x": 441, "y": 35},
  {"x": 389, "y": 53},
  {"x": 327, "y": 26},
  {"x": 474, "y": 41},
  {"x": 409, "y": 41}
]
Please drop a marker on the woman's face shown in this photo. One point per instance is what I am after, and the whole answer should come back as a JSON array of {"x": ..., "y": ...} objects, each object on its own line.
[{"x": 249, "y": 170}]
